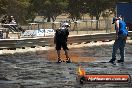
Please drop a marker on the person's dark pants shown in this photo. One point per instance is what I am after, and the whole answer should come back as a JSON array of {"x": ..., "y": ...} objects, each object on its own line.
[
  {"x": 65, "y": 48},
  {"x": 119, "y": 44},
  {"x": 61, "y": 44}
]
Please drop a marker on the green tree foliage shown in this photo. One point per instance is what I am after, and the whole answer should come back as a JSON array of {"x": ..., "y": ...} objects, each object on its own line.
[
  {"x": 16, "y": 8},
  {"x": 3, "y": 6},
  {"x": 50, "y": 9},
  {"x": 97, "y": 7},
  {"x": 74, "y": 9}
]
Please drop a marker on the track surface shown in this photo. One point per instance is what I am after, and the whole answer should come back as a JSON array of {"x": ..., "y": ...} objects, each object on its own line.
[{"x": 39, "y": 69}]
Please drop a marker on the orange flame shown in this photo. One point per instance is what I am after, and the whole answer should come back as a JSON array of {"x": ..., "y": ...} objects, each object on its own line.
[{"x": 81, "y": 71}]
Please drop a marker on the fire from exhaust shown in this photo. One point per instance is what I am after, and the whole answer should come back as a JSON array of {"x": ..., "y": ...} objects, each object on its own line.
[{"x": 81, "y": 71}]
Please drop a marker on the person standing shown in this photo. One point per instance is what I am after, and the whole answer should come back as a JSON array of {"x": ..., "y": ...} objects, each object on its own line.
[
  {"x": 60, "y": 39},
  {"x": 13, "y": 24},
  {"x": 12, "y": 20},
  {"x": 120, "y": 41}
]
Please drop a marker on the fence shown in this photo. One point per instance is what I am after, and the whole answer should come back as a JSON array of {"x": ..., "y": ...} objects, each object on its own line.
[
  {"x": 80, "y": 25},
  {"x": 48, "y": 41}
]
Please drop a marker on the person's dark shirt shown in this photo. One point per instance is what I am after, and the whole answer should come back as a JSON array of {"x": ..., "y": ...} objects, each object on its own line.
[{"x": 62, "y": 35}]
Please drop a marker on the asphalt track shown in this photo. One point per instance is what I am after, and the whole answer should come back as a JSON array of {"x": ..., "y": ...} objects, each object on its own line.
[{"x": 39, "y": 69}]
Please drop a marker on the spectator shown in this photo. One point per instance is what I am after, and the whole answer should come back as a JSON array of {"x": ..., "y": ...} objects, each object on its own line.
[
  {"x": 5, "y": 20},
  {"x": 13, "y": 23},
  {"x": 12, "y": 20}
]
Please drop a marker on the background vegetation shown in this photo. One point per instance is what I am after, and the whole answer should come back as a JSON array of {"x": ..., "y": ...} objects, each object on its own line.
[{"x": 26, "y": 10}]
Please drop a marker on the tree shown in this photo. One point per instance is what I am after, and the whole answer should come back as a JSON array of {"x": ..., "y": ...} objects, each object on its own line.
[
  {"x": 16, "y": 8},
  {"x": 76, "y": 8},
  {"x": 50, "y": 9},
  {"x": 97, "y": 7},
  {"x": 3, "y": 6}
]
